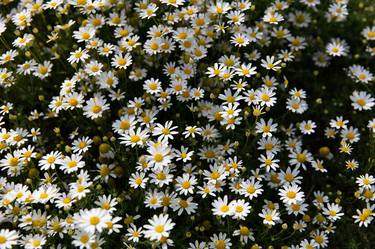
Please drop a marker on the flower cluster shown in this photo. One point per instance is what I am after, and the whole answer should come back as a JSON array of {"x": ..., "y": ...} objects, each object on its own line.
[{"x": 185, "y": 123}]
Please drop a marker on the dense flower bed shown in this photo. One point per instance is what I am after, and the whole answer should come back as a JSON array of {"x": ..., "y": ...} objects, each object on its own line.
[{"x": 186, "y": 124}]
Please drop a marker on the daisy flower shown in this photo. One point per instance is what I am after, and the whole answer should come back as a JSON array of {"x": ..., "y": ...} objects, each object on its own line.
[
  {"x": 191, "y": 131},
  {"x": 350, "y": 135},
  {"x": 159, "y": 155},
  {"x": 134, "y": 233},
  {"x": 138, "y": 180},
  {"x": 158, "y": 226},
  {"x": 95, "y": 107},
  {"x": 273, "y": 17},
  {"x": 332, "y": 211},
  {"x": 78, "y": 56},
  {"x": 368, "y": 33},
  {"x": 362, "y": 100},
  {"x": 73, "y": 100},
  {"x": 371, "y": 125},
  {"x": 365, "y": 181},
  {"x": 270, "y": 217},
  {"x": 8, "y": 239},
  {"x": 149, "y": 12},
  {"x": 107, "y": 203},
  {"x": 251, "y": 188},
  {"x": 221, "y": 207},
  {"x": 34, "y": 241},
  {"x": 82, "y": 239},
  {"x": 290, "y": 194},
  {"x": 92, "y": 220},
  {"x": 307, "y": 127},
  {"x": 72, "y": 163},
  {"x": 165, "y": 131},
  {"x": 185, "y": 184},
  {"x": 50, "y": 160},
  {"x": 94, "y": 68},
  {"x": 300, "y": 157},
  {"x": 84, "y": 34},
  {"x": 270, "y": 63},
  {"x": 241, "y": 209},
  {"x": 81, "y": 145},
  {"x": 265, "y": 128},
  {"x": 337, "y": 47},
  {"x": 268, "y": 161},
  {"x": 296, "y": 105},
  {"x": 364, "y": 217},
  {"x": 338, "y": 123},
  {"x": 184, "y": 205},
  {"x": 265, "y": 97},
  {"x": 43, "y": 70},
  {"x": 135, "y": 137},
  {"x": 220, "y": 241},
  {"x": 121, "y": 62},
  {"x": 152, "y": 86}
]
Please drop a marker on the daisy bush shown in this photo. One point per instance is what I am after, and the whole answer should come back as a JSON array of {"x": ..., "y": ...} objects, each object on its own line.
[{"x": 187, "y": 124}]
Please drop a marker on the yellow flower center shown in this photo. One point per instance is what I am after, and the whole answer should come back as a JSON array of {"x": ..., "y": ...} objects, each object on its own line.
[
  {"x": 135, "y": 139},
  {"x": 106, "y": 206},
  {"x": 94, "y": 220},
  {"x": 291, "y": 194},
  {"x": 215, "y": 175},
  {"x": 85, "y": 36},
  {"x": 121, "y": 61},
  {"x": 220, "y": 244},
  {"x": 161, "y": 176},
  {"x": 244, "y": 231},
  {"x": 185, "y": 184},
  {"x": 159, "y": 228},
  {"x": 239, "y": 209},
  {"x": 158, "y": 157},
  {"x": 183, "y": 204},
  {"x": 73, "y": 101},
  {"x": 251, "y": 189},
  {"x": 84, "y": 238},
  {"x": 96, "y": 109},
  {"x": 289, "y": 177},
  {"x": 67, "y": 200},
  {"x": 13, "y": 161},
  {"x": 332, "y": 213},
  {"x": 301, "y": 158},
  {"x": 3, "y": 239},
  {"x": 224, "y": 208},
  {"x": 268, "y": 217},
  {"x": 361, "y": 102},
  {"x": 36, "y": 243},
  {"x": 104, "y": 171},
  {"x": 72, "y": 164}
]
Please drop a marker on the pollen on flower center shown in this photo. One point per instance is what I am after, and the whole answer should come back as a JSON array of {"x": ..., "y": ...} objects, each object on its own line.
[
  {"x": 251, "y": 189},
  {"x": 94, "y": 220},
  {"x": 291, "y": 194},
  {"x": 158, "y": 157},
  {"x": 224, "y": 208},
  {"x": 96, "y": 109},
  {"x": 268, "y": 217},
  {"x": 135, "y": 138},
  {"x": 159, "y": 228},
  {"x": 3, "y": 239},
  {"x": 239, "y": 209},
  {"x": 185, "y": 184},
  {"x": 301, "y": 158},
  {"x": 361, "y": 102}
]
